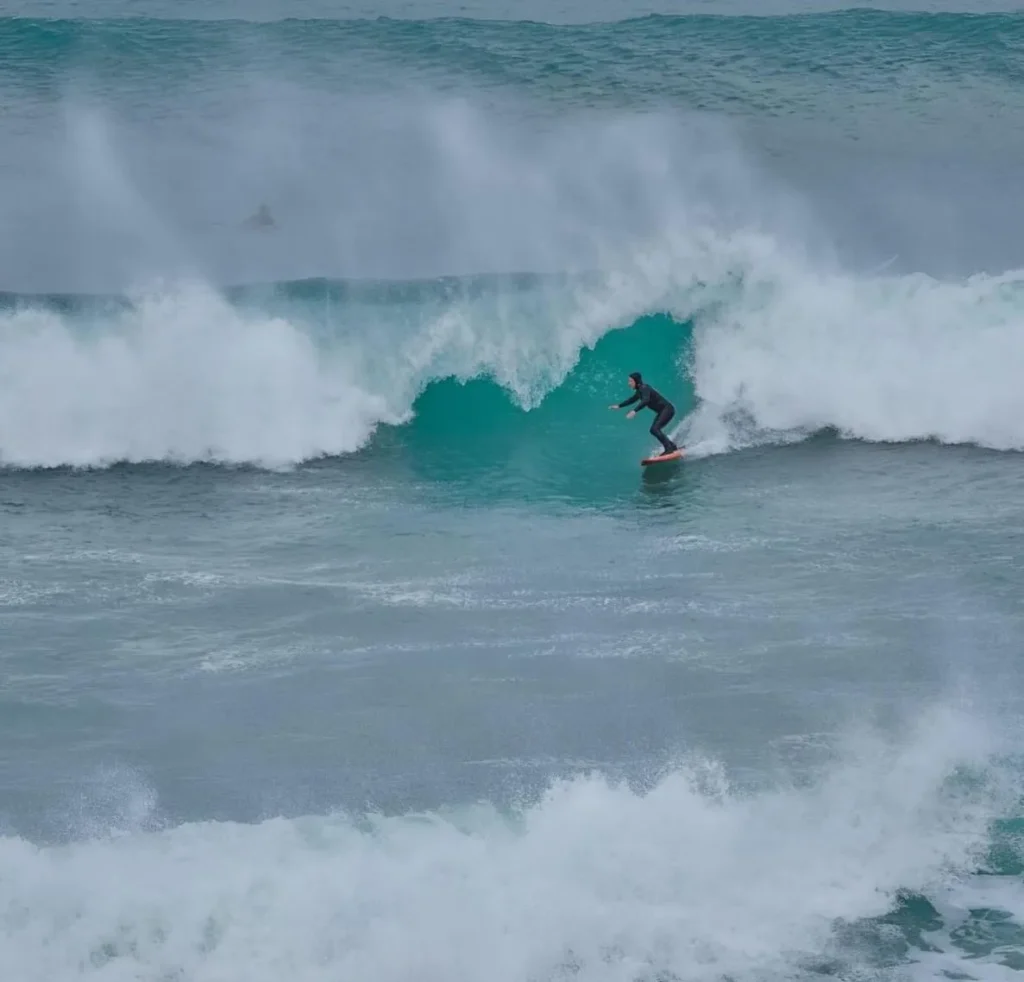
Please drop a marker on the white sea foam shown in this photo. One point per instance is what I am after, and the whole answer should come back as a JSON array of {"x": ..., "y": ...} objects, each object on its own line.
[
  {"x": 882, "y": 359},
  {"x": 594, "y": 881}
]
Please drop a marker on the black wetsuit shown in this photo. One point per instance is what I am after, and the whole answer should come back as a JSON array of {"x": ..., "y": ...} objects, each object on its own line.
[{"x": 652, "y": 399}]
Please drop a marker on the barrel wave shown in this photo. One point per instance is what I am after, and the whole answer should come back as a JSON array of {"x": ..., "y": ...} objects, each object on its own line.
[{"x": 752, "y": 346}]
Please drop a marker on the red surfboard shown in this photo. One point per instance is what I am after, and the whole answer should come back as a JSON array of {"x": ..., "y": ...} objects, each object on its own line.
[{"x": 662, "y": 458}]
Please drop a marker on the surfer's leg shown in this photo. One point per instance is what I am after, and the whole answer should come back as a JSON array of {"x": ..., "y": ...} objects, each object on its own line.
[{"x": 661, "y": 420}]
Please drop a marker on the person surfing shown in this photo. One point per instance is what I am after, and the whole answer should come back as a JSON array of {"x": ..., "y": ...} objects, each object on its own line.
[{"x": 648, "y": 398}]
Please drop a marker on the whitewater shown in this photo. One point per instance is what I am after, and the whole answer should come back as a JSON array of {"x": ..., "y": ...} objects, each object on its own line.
[
  {"x": 689, "y": 879},
  {"x": 341, "y": 634}
]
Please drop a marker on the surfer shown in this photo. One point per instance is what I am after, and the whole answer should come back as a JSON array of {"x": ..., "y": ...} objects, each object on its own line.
[
  {"x": 261, "y": 220},
  {"x": 651, "y": 399}
]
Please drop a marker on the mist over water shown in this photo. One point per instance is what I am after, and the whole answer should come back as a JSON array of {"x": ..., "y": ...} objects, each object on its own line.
[{"x": 406, "y": 148}]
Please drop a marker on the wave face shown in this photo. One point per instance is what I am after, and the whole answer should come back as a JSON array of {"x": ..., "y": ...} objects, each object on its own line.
[{"x": 690, "y": 879}]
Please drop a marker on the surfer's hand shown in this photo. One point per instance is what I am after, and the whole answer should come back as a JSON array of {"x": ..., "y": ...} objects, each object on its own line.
[
  {"x": 613, "y": 406},
  {"x": 631, "y": 414}
]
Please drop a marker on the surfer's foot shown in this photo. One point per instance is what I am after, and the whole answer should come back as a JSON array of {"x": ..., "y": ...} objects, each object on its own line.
[{"x": 665, "y": 453}]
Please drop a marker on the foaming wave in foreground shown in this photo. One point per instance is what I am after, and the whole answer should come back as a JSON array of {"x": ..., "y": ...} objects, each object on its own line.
[{"x": 692, "y": 879}]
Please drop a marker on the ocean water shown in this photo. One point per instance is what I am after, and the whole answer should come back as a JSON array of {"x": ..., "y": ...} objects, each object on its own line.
[{"x": 342, "y": 636}]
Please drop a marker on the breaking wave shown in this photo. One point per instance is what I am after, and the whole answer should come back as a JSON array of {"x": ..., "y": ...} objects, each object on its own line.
[{"x": 753, "y": 344}]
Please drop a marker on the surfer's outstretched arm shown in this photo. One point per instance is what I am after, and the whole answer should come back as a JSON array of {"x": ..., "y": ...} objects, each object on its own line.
[
  {"x": 627, "y": 402},
  {"x": 642, "y": 399}
]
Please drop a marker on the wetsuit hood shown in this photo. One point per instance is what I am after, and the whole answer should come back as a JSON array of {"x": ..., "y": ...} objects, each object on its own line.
[{"x": 635, "y": 376}]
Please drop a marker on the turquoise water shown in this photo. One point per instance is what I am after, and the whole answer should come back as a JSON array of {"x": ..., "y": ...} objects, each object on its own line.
[{"x": 341, "y": 632}]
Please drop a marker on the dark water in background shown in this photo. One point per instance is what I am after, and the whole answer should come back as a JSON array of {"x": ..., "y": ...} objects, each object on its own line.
[{"x": 341, "y": 634}]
